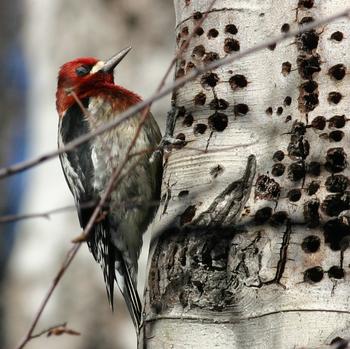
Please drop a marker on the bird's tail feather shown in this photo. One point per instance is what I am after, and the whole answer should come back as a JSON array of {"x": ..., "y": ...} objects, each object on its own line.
[
  {"x": 115, "y": 268},
  {"x": 129, "y": 291}
]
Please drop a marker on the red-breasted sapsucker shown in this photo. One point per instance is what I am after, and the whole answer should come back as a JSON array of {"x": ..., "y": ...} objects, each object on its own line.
[{"x": 116, "y": 239}]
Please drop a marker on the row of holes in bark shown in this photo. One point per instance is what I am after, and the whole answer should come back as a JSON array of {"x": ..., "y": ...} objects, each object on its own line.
[
  {"x": 212, "y": 33},
  {"x": 309, "y": 65},
  {"x": 333, "y": 184},
  {"x": 335, "y": 162},
  {"x": 230, "y": 44},
  {"x": 336, "y": 230},
  {"x": 337, "y": 72},
  {"x": 316, "y": 274},
  {"x": 240, "y": 81},
  {"x": 217, "y": 121}
]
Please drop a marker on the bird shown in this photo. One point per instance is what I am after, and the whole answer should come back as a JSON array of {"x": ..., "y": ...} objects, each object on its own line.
[{"x": 86, "y": 98}]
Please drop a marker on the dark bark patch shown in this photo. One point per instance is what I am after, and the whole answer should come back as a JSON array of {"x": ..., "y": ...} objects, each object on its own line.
[
  {"x": 216, "y": 171},
  {"x": 336, "y": 183},
  {"x": 337, "y": 36},
  {"x": 231, "y": 45},
  {"x": 191, "y": 266},
  {"x": 319, "y": 122},
  {"x": 278, "y": 169},
  {"x": 334, "y": 204},
  {"x": 334, "y": 97},
  {"x": 311, "y": 244},
  {"x": 266, "y": 188},
  {"x": 337, "y": 72},
  {"x": 313, "y": 168},
  {"x": 336, "y": 160},
  {"x": 336, "y": 136},
  {"x": 285, "y": 28},
  {"x": 180, "y": 73},
  {"x": 218, "y": 121},
  {"x": 311, "y": 213},
  {"x": 313, "y": 275},
  {"x": 262, "y": 215},
  {"x": 240, "y": 109},
  {"x": 286, "y": 68},
  {"x": 188, "y": 214},
  {"x": 212, "y": 33},
  {"x": 308, "y": 41},
  {"x": 278, "y": 156},
  {"x": 337, "y": 121},
  {"x": 198, "y": 51},
  {"x": 296, "y": 171},
  {"x": 294, "y": 195},
  {"x": 210, "y": 57},
  {"x": 199, "y": 31},
  {"x": 197, "y": 15},
  {"x": 279, "y": 218},
  {"x": 238, "y": 81},
  {"x": 184, "y": 31},
  {"x": 183, "y": 193},
  {"x": 336, "y": 272},
  {"x": 287, "y": 101},
  {"x": 188, "y": 120},
  {"x": 199, "y": 129},
  {"x": 309, "y": 65},
  {"x": 313, "y": 188},
  {"x": 337, "y": 234},
  {"x": 200, "y": 98},
  {"x": 306, "y": 20},
  {"x": 279, "y": 111},
  {"x": 218, "y": 104},
  {"x": 269, "y": 111},
  {"x": 231, "y": 29},
  {"x": 209, "y": 80},
  {"x": 309, "y": 86},
  {"x": 305, "y": 4}
]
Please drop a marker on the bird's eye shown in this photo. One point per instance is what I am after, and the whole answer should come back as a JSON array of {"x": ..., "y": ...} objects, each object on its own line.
[{"x": 82, "y": 70}]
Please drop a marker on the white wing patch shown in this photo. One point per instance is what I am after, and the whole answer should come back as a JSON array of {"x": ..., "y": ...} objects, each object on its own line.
[{"x": 74, "y": 182}]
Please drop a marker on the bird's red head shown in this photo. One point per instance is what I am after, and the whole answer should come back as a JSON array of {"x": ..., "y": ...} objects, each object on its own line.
[{"x": 86, "y": 77}]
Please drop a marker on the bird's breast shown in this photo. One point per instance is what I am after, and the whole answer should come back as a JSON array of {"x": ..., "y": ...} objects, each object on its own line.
[{"x": 109, "y": 150}]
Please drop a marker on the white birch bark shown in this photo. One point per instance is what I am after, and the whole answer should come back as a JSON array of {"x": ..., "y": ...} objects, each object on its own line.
[{"x": 277, "y": 274}]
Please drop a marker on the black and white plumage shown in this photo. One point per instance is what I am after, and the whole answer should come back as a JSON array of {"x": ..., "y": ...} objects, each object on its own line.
[{"x": 116, "y": 240}]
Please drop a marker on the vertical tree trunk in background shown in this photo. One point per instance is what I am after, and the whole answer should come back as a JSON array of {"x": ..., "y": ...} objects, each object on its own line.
[{"x": 254, "y": 214}]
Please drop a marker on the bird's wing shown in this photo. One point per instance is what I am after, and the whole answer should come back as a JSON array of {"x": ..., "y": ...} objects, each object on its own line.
[{"x": 78, "y": 170}]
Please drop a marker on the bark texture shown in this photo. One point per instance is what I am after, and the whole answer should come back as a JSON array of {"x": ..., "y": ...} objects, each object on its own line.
[{"x": 250, "y": 248}]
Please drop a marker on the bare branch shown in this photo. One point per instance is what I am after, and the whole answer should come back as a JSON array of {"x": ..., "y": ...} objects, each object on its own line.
[
  {"x": 195, "y": 72},
  {"x": 47, "y": 214}
]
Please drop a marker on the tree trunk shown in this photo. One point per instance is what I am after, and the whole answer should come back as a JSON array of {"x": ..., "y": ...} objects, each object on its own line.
[{"x": 252, "y": 232}]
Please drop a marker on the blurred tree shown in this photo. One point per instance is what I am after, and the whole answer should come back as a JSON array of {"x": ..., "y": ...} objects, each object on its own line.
[{"x": 13, "y": 86}]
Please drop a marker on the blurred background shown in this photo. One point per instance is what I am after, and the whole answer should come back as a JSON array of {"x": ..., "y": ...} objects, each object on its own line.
[{"x": 36, "y": 37}]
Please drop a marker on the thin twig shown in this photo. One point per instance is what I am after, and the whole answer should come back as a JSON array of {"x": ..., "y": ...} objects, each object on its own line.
[
  {"x": 56, "y": 330},
  {"x": 47, "y": 214},
  {"x": 195, "y": 72},
  {"x": 47, "y": 330}
]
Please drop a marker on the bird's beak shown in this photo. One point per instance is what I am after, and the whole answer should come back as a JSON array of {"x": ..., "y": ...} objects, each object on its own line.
[{"x": 111, "y": 63}]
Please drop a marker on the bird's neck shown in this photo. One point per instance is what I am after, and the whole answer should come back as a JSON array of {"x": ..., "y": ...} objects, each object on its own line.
[{"x": 119, "y": 97}]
